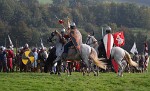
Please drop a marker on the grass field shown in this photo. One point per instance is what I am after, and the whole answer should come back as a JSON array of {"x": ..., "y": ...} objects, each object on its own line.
[{"x": 75, "y": 82}]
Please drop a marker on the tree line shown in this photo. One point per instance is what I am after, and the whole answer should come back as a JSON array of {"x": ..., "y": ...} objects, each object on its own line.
[{"x": 26, "y": 21}]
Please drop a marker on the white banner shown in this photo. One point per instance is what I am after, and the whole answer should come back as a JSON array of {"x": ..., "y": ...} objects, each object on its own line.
[{"x": 134, "y": 49}]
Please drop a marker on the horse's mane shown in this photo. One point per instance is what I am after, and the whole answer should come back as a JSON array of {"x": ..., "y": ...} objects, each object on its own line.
[
  {"x": 62, "y": 39},
  {"x": 59, "y": 35}
]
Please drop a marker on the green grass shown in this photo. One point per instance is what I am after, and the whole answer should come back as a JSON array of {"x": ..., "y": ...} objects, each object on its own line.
[
  {"x": 75, "y": 82},
  {"x": 45, "y": 1}
]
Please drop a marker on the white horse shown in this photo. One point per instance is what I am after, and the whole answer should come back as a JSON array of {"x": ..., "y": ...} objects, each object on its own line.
[
  {"x": 92, "y": 42},
  {"x": 86, "y": 52},
  {"x": 121, "y": 56}
]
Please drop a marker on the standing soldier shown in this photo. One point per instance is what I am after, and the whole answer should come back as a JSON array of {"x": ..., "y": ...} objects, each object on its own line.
[
  {"x": 108, "y": 41},
  {"x": 136, "y": 57},
  {"x": 42, "y": 57},
  {"x": 22, "y": 65},
  {"x": 92, "y": 41},
  {"x": 34, "y": 64},
  {"x": 3, "y": 60},
  {"x": 10, "y": 56}
]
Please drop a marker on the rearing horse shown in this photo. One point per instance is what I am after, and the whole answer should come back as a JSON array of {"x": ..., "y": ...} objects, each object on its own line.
[{"x": 86, "y": 53}]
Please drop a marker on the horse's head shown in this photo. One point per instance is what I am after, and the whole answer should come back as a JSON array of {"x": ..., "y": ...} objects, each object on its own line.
[{"x": 54, "y": 36}]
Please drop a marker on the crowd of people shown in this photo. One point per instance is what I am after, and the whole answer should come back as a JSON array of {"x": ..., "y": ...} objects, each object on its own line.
[
  {"x": 140, "y": 59},
  {"x": 11, "y": 61}
]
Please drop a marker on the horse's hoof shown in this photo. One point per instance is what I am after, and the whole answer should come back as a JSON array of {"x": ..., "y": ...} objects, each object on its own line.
[{"x": 95, "y": 75}]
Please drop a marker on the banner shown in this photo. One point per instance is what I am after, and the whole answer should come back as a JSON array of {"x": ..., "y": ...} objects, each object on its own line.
[
  {"x": 134, "y": 49},
  {"x": 42, "y": 45},
  {"x": 146, "y": 54},
  {"x": 119, "y": 39}
]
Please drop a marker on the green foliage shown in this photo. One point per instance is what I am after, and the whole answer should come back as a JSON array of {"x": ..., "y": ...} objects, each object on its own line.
[{"x": 22, "y": 19}]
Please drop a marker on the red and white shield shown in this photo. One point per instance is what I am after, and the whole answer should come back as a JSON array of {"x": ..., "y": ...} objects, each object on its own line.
[{"x": 108, "y": 43}]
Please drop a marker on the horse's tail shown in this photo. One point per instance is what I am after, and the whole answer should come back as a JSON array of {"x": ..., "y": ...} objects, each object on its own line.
[
  {"x": 129, "y": 60},
  {"x": 94, "y": 57}
]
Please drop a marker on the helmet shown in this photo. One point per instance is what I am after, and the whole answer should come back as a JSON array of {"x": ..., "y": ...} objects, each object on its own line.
[
  {"x": 108, "y": 29},
  {"x": 4, "y": 48},
  {"x": 135, "y": 52},
  {"x": 9, "y": 47},
  {"x": 1, "y": 47},
  {"x": 63, "y": 30},
  {"x": 72, "y": 24},
  {"x": 26, "y": 45},
  {"x": 34, "y": 49}
]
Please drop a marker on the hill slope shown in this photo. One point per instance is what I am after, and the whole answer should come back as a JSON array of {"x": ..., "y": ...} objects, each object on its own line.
[{"x": 139, "y": 2}]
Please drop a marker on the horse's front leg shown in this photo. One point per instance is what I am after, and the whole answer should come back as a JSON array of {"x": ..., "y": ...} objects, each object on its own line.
[
  {"x": 122, "y": 65},
  {"x": 120, "y": 71},
  {"x": 93, "y": 69}
]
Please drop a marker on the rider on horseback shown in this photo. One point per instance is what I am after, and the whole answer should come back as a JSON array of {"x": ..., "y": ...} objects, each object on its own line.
[
  {"x": 75, "y": 39},
  {"x": 91, "y": 40},
  {"x": 106, "y": 45},
  {"x": 108, "y": 30}
]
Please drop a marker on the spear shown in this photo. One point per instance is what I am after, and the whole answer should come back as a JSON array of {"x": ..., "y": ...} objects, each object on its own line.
[{"x": 11, "y": 44}]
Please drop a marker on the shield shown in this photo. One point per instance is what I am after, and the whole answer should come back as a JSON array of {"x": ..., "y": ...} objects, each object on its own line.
[
  {"x": 27, "y": 56},
  {"x": 108, "y": 43},
  {"x": 76, "y": 38}
]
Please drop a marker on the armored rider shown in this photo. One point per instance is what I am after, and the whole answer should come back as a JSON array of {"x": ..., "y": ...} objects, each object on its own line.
[{"x": 75, "y": 39}]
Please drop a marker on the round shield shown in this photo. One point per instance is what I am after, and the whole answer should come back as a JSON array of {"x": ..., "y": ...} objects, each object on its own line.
[{"x": 27, "y": 57}]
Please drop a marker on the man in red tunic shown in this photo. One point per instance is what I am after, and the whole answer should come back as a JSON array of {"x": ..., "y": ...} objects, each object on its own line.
[{"x": 10, "y": 56}]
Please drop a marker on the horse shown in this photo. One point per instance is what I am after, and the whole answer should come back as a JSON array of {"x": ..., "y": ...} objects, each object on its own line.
[
  {"x": 122, "y": 57},
  {"x": 49, "y": 65},
  {"x": 86, "y": 52},
  {"x": 92, "y": 42}
]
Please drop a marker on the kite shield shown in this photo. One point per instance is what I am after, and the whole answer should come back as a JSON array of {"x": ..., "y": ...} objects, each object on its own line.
[{"x": 108, "y": 43}]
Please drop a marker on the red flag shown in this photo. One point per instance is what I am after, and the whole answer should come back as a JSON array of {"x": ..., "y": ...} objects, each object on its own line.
[
  {"x": 119, "y": 38},
  {"x": 61, "y": 21}
]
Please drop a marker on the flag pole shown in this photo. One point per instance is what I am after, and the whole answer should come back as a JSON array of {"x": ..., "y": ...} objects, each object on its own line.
[
  {"x": 102, "y": 32},
  {"x": 5, "y": 42}
]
